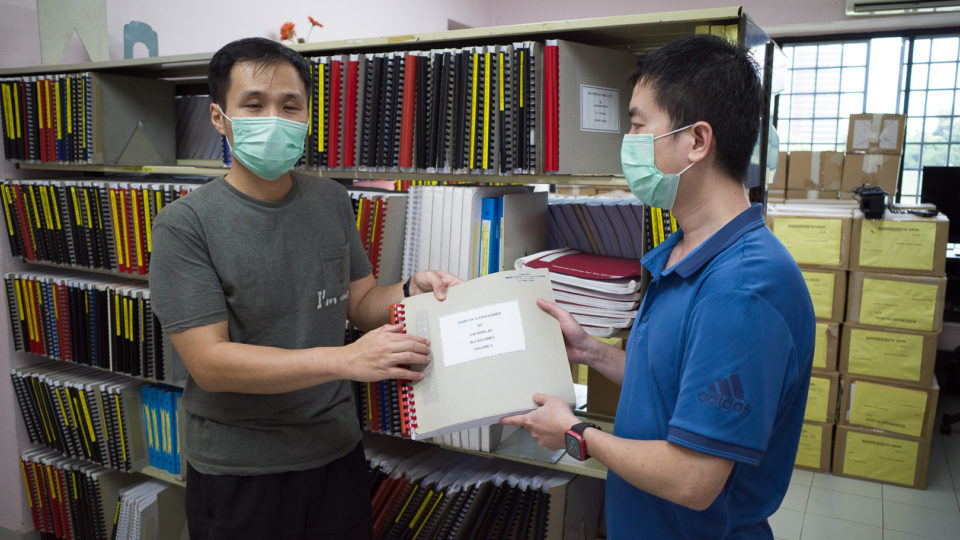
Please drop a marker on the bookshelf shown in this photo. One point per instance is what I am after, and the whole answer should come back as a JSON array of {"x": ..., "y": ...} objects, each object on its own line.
[{"x": 634, "y": 33}]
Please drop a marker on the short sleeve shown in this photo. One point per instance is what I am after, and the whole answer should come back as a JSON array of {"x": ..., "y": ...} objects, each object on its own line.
[
  {"x": 735, "y": 363},
  {"x": 184, "y": 287}
]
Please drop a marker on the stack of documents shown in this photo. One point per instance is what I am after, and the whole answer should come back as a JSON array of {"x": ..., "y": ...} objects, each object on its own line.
[{"x": 602, "y": 293}]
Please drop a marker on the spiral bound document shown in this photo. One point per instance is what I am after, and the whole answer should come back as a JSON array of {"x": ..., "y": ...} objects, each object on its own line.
[{"x": 492, "y": 348}]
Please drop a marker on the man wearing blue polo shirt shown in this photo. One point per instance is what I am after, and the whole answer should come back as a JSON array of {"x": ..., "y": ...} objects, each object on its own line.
[{"x": 716, "y": 369}]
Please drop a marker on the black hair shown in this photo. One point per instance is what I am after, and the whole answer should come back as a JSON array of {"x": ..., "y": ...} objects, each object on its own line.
[
  {"x": 705, "y": 78},
  {"x": 260, "y": 50}
]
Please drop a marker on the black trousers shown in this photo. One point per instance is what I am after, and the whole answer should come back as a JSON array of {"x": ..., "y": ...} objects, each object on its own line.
[{"x": 328, "y": 502}]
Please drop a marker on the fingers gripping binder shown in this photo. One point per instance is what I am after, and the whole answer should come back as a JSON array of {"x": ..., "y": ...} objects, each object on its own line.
[{"x": 405, "y": 398}]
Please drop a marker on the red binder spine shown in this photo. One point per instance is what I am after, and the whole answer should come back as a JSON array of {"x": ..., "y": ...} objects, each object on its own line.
[
  {"x": 333, "y": 138},
  {"x": 25, "y": 230},
  {"x": 350, "y": 120},
  {"x": 46, "y": 516},
  {"x": 63, "y": 315},
  {"x": 409, "y": 101},
  {"x": 29, "y": 481},
  {"x": 51, "y": 129},
  {"x": 407, "y": 402},
  {"x": 551, "y": 112},
  {"x": 129, "y": 228}
]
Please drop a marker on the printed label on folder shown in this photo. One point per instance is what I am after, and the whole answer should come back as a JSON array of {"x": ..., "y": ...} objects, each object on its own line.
[
  {"x": 885, "y": 354},
  {"x": 880, "y": 458},
  {"x": 481, "y": 332},
  {"x": 899, "y": 304},
  {"x": 820, "y": 347},
  {"x": 811, "y": 441},
  {"x": 820, "y": 285},
  {"x": 818, "y": 400},
  {"x": 810, "y": 241},
  {"x": 897, "y": 244},
  {"x": 899, "y": 410},
  {"x": 599, "y": 109}
]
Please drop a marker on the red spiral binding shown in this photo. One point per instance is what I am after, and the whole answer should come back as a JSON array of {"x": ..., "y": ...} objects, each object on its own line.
[{"x": 406, "y": 400}]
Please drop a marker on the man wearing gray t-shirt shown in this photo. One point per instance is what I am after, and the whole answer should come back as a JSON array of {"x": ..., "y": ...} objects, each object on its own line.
[{"x": 254, "y": 275}]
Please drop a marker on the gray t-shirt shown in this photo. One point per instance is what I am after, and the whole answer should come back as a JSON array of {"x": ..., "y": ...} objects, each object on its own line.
[{"x": 278, "y": 273}]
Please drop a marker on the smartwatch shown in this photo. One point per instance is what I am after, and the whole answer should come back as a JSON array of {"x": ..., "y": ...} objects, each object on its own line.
[{"x": 576, "y": 446}]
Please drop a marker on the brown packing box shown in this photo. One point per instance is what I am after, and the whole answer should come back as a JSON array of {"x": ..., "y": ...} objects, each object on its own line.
[
  {"x": 822, "y": 397},
  {"x": 828, "y": 290},
  {"x": 780, "y": 180},
  {"x": 882, "y": 457},
  {"x": 776, "y": 195},
  {"x": 896, "y": 301},
  {"x": 810, "y": 195},
  {"x": 815, "y": 448},
  {"x": 827, "y": 346},
  {"x": 876, "y": 133},
  {"x": 822, "y": 171},
  {"x": 899, "y": 244},
  {"x": 888, "y": 354},
  {"x": 874, "y": 169},
  {"x": 847, "y": 196},
  {"x": 602, "y": 393},
  {"x": 905, "y": 409},
  {"x": 818, "y": 236}
]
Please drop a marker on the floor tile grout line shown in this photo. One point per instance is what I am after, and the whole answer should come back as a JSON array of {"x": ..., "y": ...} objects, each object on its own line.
[
  {"x": 850, "y": 520},
  {"x": 880, "y": 498}
]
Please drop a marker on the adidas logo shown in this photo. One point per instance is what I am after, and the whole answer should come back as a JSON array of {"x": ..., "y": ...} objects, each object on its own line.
[{"x": 726, "y": 393}]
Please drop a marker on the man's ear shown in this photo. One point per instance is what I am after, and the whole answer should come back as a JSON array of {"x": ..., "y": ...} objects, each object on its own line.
[
  {"x": 217, "y": 119},
  {"x": 702, "y": 133}
]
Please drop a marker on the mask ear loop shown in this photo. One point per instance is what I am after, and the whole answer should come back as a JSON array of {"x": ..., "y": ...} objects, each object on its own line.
[{"x": 667, "y": 133}]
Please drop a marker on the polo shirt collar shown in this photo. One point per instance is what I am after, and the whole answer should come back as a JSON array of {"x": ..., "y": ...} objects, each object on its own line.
[{"x": 748, "y": 220}]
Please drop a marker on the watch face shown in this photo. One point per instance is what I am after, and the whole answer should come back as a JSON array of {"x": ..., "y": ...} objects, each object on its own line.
[{"x": 573, "y": 446}]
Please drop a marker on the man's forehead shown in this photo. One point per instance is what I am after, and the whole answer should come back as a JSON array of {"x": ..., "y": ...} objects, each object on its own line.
[{"x": 253, "y": 74}]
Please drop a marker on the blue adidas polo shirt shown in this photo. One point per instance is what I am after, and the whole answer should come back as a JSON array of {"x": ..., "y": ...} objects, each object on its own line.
[{"x": 718, "y": 361}]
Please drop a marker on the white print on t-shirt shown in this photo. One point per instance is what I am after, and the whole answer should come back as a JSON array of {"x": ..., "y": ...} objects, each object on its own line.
[{"x": 324, "y": 300}]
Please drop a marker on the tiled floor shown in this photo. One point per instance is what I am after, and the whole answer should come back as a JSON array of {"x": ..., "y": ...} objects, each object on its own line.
[{"x": 820, "y": 506}]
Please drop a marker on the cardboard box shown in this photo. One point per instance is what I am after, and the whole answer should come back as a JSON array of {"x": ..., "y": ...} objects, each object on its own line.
[
  {"x": 603, "y": 395},
  {"x": 882, "y": 457},
  {"x": 780, "y": 180},
  {"x": 900, "y": 244},
  {"x": 826, "y": 347},
  {"x": 828, "y": 290},
  {"x": 822, "y": 398},
  {"x": 896, "y": 301},
  {"x": 905, "y": 409},
  {"x": 818, "y": 236},
  {"x": 847, "y": 196},
  {"x": 822, "y": 171},
  {"x": 876, "y": 133},
  {"x": 815, "y": 448},
  {"x": 776, "y": 195},
  {"x": 810, "y": 195},
  {"x": 874, "y": 169},
  {"x": 888, "y": 354}
]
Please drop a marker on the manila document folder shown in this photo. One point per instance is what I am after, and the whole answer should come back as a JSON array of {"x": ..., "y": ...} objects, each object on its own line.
[{"x": 491, "y": 348}]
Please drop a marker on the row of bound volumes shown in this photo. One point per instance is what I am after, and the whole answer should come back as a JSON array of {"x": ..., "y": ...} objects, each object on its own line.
[
  {"x": 160, "y": 421},
  {"x": 602, "y": 225},
  {"x": 523, "y": 108},
  {"x": 83, "y": 414},
  {"x": 658, "y": 225},
  {"x": 89, "y": 224},
  {"x": 105, "y": 325},
  {"x": 444, "y": 229},
  {"x": 92, "y": 118},
  {"x": 73, "y": 499},
  {"x": 381, "y": 222},
  {"x": 420, "y": 491}
]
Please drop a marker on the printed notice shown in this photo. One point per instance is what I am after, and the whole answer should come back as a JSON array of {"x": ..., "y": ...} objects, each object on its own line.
[
  {"x": 890, "y": 408},
  {"x": 897, "y": 244},
  {"x": 811, "y": 240},
  {"x": 880, "y": 458},
  {"x": 811, "y": 442},
  {"x": 599, "y": 109},
  {"x": 481, "y": 332},
  {"x": 820, "y": 347},
  {"x": 886, "y": 354},
  {"x": 820, "y": 285},
  {"x": 899, "y": 304},
  {"x": 818, "y": 400}
]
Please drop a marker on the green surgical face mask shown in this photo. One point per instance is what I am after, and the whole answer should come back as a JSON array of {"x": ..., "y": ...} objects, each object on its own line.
[
  {"x": 646, "y": 182},
  {"x": 267, "y": 145}
]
